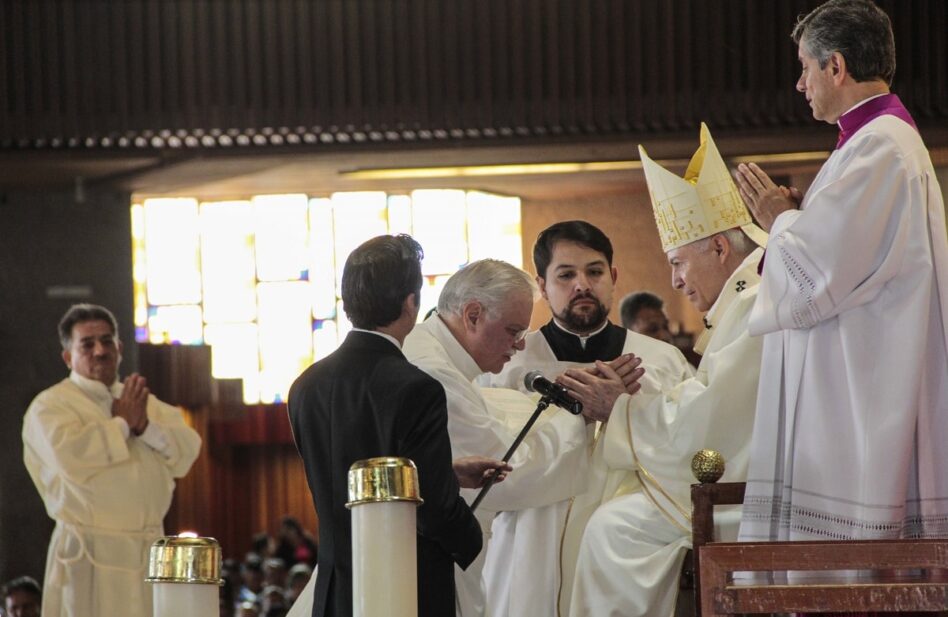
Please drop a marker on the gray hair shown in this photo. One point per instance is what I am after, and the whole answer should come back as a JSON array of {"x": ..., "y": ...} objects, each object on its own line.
[
  {"x": 857, "y": 29},
  {"x": 78, "y": 313},
  {"x": 490, "y": 282},
  {"x": 740, "y": 242}
]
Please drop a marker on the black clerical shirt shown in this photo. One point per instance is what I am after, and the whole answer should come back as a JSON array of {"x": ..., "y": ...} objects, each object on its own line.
[{"x": 605, "y": 345}]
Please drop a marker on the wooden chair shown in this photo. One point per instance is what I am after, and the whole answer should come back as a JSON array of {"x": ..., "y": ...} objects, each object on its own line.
[
  {"x": 906, "y": 575},
  {"x": 704, "y": 497}
]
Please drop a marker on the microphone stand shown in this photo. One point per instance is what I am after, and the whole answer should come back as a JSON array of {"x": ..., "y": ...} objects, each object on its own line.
[{"x": 543, "y": 404}]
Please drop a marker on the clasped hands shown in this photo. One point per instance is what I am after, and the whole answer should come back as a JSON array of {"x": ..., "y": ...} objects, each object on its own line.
[
  {"x": 765, "y": 199},
  {"x": 597, "y": 387},
  {"x": 132, "y": 406}
]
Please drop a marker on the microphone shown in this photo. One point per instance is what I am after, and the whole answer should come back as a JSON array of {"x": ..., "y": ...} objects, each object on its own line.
[{"x": 557, "y": 394}]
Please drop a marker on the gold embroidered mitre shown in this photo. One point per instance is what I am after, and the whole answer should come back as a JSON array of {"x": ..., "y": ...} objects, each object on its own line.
[{"x": 701, "y": 204}]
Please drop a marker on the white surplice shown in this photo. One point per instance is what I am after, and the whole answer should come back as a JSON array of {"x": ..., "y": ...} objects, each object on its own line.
[
  {"x": 630, "y": 554},
  {"x": 551, "y": 465},
  {"x": 107, "y": 492},
  {"x": 531, "y": 540},
  {"x": 852, "y": 411}
]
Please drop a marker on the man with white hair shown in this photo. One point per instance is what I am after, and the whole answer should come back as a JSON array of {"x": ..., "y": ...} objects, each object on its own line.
[
  {"x": 483, "y": 314},
  {"x": 633, "y": 546}
]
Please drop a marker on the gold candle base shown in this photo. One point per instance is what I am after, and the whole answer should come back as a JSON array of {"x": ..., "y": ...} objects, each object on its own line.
[
  {"x": 385, "y": 478},
  {"x": 185, "y": 573},
  {"x": 176, "y": 559}
]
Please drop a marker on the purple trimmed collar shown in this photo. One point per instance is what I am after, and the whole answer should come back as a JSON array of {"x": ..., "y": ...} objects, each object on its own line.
[{"x": 855, "y": 119}]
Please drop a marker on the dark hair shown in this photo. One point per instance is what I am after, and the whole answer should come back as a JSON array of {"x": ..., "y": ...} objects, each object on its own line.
[
  {"x": 377, "y": 278},
  {"x": 579, "y": 232},
  {"x": 857, "y": 29},
  {"x": 252, "y": 562},
  {"x": 21, "y": 583},
  {"x": 260, "y": 543},
  {"x": 635, "y": 302},
  {"x": 293, "y": 523},
  {"x": 84, "y": 312}
]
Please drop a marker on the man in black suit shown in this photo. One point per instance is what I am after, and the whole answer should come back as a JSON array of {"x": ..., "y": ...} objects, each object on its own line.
[{"x": 366, "y": 400}]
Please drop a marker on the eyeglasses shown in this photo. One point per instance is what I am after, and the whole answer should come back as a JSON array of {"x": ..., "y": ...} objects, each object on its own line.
[{"x": 516, "y": 334}]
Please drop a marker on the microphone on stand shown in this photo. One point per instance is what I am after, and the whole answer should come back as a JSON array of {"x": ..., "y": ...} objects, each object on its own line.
[
  {"x": 553, "y": 393},
  {"x": 534, "y": 381}
]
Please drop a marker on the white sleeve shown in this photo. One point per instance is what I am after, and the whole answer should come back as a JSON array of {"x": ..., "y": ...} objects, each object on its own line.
[
  {"x": 843, "y": 246},
  {"x": 550, "y": 464},
  {"x": 54, "y": 434},
  {"x": 177, "y": 442},
  {"x": 157, "y": 439}
]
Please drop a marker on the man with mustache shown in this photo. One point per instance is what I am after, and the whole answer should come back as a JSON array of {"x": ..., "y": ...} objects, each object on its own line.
[
  {"x": 573, "y": 260},
  {"x": 103, "y": 454}
]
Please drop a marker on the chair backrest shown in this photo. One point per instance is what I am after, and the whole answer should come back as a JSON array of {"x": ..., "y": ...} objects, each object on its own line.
[{"x": 703, "y": 499}]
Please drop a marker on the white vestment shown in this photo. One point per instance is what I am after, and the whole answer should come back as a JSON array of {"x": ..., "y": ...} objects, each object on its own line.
[
  {"x": 551, "y": 465},
  {"x": 631, "y": 552},
  {"x": 852, "y": 411},
  {"x": 531, "y": 540},
  {"x": 107, "y": 492}
]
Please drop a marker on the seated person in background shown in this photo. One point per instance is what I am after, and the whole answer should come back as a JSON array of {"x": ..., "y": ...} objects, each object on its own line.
[
  {"x": 272, "y": 601},
  {"x": 262, "y": 544},
  {"x": 21, "y": 597},
  {"x": 251, "y": 574},
  {"x": 643, "y": 312},
  {"x": 274, "y": 572},
  {"x": 296, "y": 579},
  {"x": 294, "y": 544},
  {"x": 631, "y": 551}
]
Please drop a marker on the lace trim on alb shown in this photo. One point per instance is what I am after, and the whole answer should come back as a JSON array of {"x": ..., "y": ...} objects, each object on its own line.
[
  {"x": 833, "y": 526},
  {"x": 803, "y": 309}
]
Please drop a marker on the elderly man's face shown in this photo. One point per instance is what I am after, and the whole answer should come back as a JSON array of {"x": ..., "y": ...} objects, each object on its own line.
[
  {"x": 94, "y": 351},
  {"x": 22, "y": 604},
  {"x": 698, "y": 271},
  {"x": 492, "y": 338},
  {"x": 578, "y": 284}
]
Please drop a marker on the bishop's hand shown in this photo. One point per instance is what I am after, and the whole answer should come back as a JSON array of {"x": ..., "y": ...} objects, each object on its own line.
[{"x": 596, "y": 391}]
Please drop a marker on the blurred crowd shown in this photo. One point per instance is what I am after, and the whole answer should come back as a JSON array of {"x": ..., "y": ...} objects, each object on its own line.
[{"x": 272, "y": 575}]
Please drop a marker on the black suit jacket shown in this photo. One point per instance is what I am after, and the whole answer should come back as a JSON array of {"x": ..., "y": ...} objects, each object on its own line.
[{"x": 362, "y": 401}]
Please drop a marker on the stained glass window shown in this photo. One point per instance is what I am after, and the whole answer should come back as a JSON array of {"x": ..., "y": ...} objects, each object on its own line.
[{"x": 258, "y": 279}]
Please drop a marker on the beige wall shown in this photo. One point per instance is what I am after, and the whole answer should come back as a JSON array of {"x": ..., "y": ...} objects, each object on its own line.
[{"x": 628, "y": 221}]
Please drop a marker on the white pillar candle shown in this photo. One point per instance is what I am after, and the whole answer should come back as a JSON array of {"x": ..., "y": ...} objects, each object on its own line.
[
  {"x": 383, "y": 496},
  {"x": 185, "y": 600},
  {"x": 384, "y": 560}
]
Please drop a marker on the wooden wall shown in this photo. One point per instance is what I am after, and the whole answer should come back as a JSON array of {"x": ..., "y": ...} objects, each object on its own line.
[{"x": 247, "y": 477}]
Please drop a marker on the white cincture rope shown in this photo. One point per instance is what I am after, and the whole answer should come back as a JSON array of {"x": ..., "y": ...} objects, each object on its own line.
[{"x": 76, "y": 531}]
